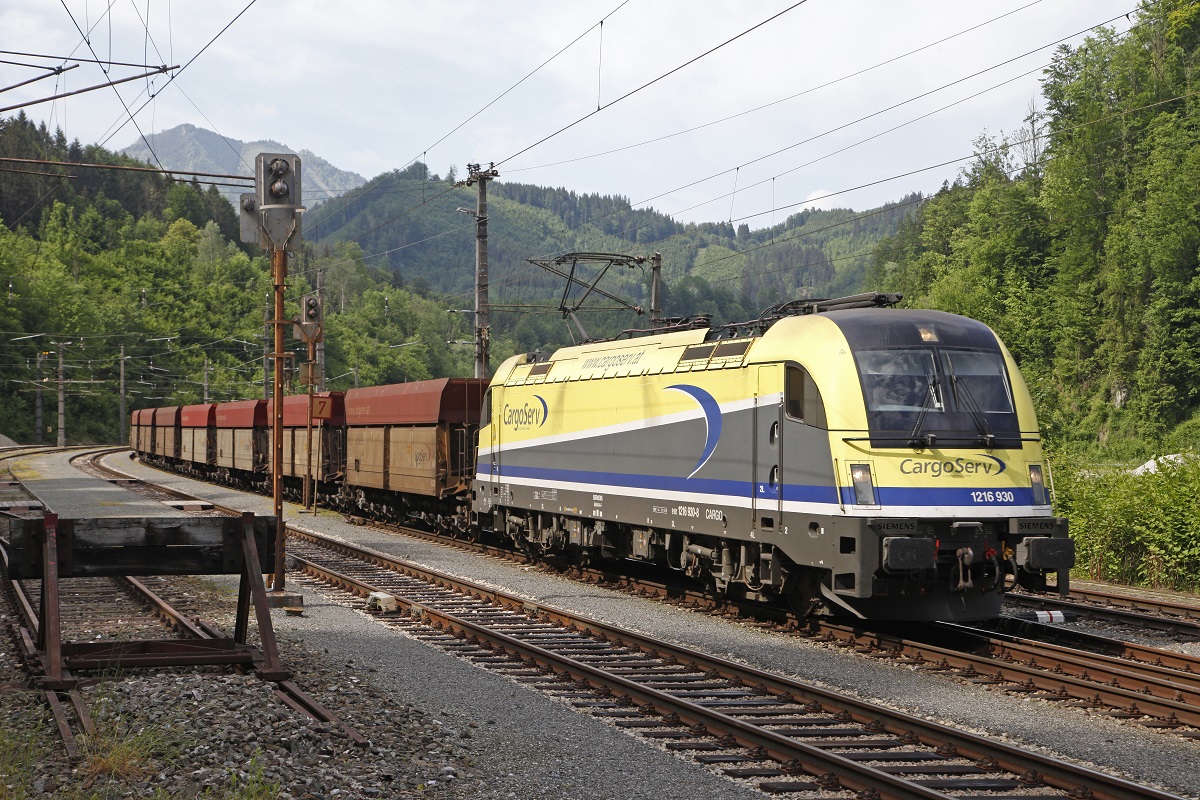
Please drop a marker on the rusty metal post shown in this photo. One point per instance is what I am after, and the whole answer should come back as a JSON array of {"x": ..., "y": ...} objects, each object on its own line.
[
  {"x": 309, "y": 500},
  {"x": 271, "y": 669},
  {"x": 279, "y": 276},
  {"x": 50, "y": 624}
]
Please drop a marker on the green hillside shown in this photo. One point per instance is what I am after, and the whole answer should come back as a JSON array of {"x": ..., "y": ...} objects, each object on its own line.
[{"x": 407, "y": 223}]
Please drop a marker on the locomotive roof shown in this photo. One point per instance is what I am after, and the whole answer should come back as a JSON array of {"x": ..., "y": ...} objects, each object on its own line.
[
  {"x": 904, "y": 327},
  {"x": 786, "y": 338}
]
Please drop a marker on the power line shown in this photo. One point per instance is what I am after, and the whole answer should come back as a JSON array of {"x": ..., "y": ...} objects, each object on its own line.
[
  {"x": 249, "y": 178},
  {"x": 76, "y": 58},
  {"x": 173, "y": 77},
  {"x": 877, "y": 113},
  {"x": 773, "y": 103},
  {"x": 825, "y": 133},
  {"x": 88, "y": 42},
  {"x": 650, "y": 83},
  {"x": 590, "y": 114},
  {"x": 492, "y": 102}
]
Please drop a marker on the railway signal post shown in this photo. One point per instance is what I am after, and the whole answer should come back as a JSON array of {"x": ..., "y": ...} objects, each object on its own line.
[
  {"x": 270, "y": 216},
  {"x": 310, "y": 330}
]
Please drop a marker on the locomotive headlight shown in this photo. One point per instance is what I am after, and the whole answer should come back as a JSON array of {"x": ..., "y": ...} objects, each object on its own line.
[
  {"x": 1037, "y": 486},
  {"x": 864, "y": 487}
]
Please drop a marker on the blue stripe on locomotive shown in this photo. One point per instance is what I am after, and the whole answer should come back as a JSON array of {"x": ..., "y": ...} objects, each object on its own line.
[{"x": 887, "y": 495}]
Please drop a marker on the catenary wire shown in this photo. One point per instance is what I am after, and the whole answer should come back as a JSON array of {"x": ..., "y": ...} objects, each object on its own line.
[{"x": 650, "y": 83}]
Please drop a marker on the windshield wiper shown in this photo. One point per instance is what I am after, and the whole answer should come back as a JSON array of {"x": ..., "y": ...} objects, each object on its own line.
[
  {"x": 986, "y": 437},
  {"x": 925, "y": 439}
]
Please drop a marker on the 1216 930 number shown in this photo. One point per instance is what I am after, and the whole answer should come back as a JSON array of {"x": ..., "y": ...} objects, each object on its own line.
[{"x": 992, "y": 497}]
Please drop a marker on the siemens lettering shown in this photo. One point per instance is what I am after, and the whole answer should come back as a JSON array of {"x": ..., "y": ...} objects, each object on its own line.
[
  {"x": 959, "y": 466},
  {"x": 526, "y": 416}
]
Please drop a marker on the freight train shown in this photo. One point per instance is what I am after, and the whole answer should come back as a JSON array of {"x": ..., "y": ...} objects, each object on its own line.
[{"x": 842, "y": 456}]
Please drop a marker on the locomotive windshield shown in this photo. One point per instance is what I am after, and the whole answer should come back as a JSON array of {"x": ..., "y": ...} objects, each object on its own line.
[{"x": 922, "y": 396}]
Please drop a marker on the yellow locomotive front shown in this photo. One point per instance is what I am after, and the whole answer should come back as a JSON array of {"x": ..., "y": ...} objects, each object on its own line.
[{"x": 941, "y": 498}]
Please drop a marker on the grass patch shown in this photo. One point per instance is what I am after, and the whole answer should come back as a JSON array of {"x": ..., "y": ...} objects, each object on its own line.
[
  {"x": 24, "y": 742},
  {"x": 125, "y": 755}
]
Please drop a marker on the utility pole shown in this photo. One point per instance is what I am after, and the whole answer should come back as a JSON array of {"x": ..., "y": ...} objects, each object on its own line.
[
  {"x": 206, "y": 377},
  {"x": 37, "y": 417},
  {"x": 320, "y": 377},
  {"x": 656, "y": 289},
  {"x": 62, "y": 401},
  {"x": 121, "y": 408},
  {"x": 482, "y": 328}
]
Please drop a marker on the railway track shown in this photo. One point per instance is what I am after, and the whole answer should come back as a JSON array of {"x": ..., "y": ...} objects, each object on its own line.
[
  {"x": 786, "y": 736},
  {"x": 1146, "y": 685},
  {"x": 95, "y": 609},
  {"x": 1148, "y": 693},
  {"x": 1155, "y": 688},
  {"x": 1149, "y": 686},
  {"x": 1181, "y": 619}
]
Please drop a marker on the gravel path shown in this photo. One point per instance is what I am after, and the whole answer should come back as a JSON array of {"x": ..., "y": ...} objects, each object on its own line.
[{"x": 512, "y": 742}]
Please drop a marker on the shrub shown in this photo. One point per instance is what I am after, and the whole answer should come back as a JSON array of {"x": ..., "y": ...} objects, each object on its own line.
[{"x": 1136, "y": 529}]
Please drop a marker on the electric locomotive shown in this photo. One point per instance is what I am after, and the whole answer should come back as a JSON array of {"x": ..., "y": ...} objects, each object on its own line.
[{"x": 845, "y": 456}]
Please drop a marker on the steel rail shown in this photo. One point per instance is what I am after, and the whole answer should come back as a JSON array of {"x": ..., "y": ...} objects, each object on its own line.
[
  {"x": 1179, "y": 672},
  {"x": 1053, "y": 677},
  {"x": 1120, "y": 608},
  {"x": 1033, "y": 767}
]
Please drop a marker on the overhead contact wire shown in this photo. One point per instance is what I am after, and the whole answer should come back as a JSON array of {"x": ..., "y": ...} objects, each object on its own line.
[
  {"x": 650, "y": 83},
  {"x": 489, "y": 104},
  {"x": 810, "y": 90}
]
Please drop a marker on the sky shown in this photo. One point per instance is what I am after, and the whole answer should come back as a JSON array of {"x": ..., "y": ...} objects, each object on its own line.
[{"x": 821, "y": 103}]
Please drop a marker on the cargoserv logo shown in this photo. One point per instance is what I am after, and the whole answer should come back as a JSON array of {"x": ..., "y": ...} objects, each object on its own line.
[
  {"x": 953, "y": 466},
  {"x": 526, "y": 417}
]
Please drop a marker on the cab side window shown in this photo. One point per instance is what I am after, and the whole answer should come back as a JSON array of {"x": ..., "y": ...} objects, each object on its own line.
[
  {"x": 485, "y": 412},
  {"x": 802, "y": 398}
]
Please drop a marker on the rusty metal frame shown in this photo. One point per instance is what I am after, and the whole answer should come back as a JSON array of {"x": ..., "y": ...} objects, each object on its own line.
[
  {"x": 57, "y": 657},
  {"x": 41, "y": 640}
]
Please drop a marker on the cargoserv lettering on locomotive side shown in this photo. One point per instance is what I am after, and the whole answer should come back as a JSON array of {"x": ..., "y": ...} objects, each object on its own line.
[{"x": 951, "y": 467}]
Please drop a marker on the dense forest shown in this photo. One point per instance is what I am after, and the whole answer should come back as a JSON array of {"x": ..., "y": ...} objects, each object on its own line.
[{"x": 1078, "y": 239}]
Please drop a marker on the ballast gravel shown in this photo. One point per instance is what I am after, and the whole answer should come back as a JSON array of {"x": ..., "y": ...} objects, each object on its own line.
[{"x": 529, "y": 746}]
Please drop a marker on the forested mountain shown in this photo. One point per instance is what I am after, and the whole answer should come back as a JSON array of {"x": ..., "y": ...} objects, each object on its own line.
[
  {"x": 188, "y": 147},
  {"x": 1077, "y": 239},
  {"x": 103, "y": 201},
  {"x": 406, "y": 222}
]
